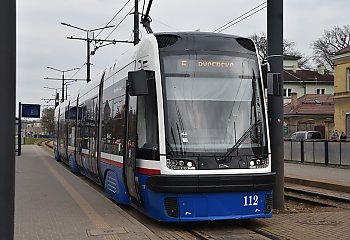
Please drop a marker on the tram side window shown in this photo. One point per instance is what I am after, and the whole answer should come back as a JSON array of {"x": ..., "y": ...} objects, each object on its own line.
[
  {"x": 147, "y": 125},
  {"x": 93, "y": 123},
  {"x": 106, "y": 118},
  {"x": 71, "y": 126},
  {"x": 61, "y": 129},
  {"x": 84, "y": 130},
  {"x": 80, "y": 125},
  {"x": 113, "y": 119},
  {"x": 118, "y": 126}
]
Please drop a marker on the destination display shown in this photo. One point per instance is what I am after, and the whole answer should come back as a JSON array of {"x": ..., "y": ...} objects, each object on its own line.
[{"x": 206, "y": 64}]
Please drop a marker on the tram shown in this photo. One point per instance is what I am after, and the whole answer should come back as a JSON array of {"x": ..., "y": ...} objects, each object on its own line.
[{"x": 177, "y": 128}]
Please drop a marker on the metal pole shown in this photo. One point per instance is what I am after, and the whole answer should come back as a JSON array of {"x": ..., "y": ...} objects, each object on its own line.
[
  {"x": 88, "y": 57},
  {"x": 62, "y": 98},
  {"x": 136, "y": 23},
  {"x": 7, "y": 120},
  {"x": 57, "y": 99},
  {"x": 275, "y": 100},
  {"x": 66, "y": 91},
  {"x": 19, "y": 128}
]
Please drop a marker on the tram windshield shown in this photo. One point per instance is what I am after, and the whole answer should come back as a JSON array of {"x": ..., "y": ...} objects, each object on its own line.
[{"x": 212, "y": 101}]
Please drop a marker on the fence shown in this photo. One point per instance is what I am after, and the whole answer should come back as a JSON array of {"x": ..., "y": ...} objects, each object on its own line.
[{"x": 318, "y": 151}]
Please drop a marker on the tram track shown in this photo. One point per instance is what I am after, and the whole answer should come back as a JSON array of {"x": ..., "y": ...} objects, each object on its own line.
[
  {"x": 317, "y": 196},
  {"x": 232, "y": 229},
  {"x": 200, "y": 235}
]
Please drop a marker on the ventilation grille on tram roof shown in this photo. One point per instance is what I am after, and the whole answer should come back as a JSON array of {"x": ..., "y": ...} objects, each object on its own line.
[{"x": 167, "y": 40}]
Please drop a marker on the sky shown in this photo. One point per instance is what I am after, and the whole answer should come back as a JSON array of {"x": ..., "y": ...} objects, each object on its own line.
[{"x": 42, "y": 40}]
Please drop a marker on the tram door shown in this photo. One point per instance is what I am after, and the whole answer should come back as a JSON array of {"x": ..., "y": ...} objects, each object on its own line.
[
  {"x": 93, "y": 138},
  {"x": 130, "y": 153}
]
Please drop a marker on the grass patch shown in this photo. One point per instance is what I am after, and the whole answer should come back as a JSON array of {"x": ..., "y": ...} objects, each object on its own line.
[{"x": 32, "y": 140}]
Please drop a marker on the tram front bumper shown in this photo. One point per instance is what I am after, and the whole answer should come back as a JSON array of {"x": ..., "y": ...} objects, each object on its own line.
[{"x": 211, "y": 183}]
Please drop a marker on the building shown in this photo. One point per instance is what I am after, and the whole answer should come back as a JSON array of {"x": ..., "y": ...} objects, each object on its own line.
[
  {"x": 303, "y": 81},
  {"x": 33, "y": 128},
  {"x": 309, "y": 112},
  {"x": 341, "y": 61}
]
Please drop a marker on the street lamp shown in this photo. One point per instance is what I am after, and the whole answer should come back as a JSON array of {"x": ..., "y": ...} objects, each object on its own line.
[
  {"x": 88, "y": 40},
  {"x": 56, "y": 95},
  {"x": 62, "y": 71}
]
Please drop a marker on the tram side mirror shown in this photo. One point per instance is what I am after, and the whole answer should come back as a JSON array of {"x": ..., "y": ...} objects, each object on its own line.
[
  {"x": 265, "y": 68},
  {"x": 138, "y": 82}
]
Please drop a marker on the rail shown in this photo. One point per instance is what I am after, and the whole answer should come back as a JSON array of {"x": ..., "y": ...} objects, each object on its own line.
[
  {"x": 317, "y": 196},
  {"x": 318, "y": 151},
  {"x": 45, "y": 143}
]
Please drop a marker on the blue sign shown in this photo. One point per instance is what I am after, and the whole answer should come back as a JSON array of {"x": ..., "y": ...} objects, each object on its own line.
[{"x": 31, "y": 110}]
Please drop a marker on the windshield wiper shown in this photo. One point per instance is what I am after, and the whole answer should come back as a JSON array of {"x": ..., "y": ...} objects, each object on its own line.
[{"x": 239, "y": 142}]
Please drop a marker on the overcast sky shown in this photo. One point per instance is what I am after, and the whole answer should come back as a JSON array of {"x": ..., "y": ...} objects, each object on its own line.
[{"x": 42, "y": 40}]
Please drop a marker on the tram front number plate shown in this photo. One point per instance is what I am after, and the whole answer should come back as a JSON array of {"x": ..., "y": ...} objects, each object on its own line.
[{"x": 251, "y": 200}]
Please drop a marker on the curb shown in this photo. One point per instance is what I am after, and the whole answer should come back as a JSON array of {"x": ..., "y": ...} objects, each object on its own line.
[{"x": 324, "y": 185}]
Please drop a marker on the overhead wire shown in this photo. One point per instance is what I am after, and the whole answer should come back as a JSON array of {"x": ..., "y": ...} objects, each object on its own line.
[
  {"x": 242, "y": 19},
  {"x": 234, "y": 21},
  {"x": 78, "y": 70},
  {"x": 166, "y": 25},
  {"x": 120, "y": 22},
  {"x": 115, "y": 15},
  {"x": 112, "y": 30}
]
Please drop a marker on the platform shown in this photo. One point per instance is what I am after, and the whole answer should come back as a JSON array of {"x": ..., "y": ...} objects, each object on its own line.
[
  {"x": 332, "y": 178},
  {"x": 53, "y": 204}
]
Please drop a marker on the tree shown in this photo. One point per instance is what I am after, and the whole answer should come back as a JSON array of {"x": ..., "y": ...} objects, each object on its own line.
[
  {"x": 261, "y": 45},
  {"x": 331, "y": 42},
  {"x": 47, "y": 120},
  {"x": 288, "y": 49}
]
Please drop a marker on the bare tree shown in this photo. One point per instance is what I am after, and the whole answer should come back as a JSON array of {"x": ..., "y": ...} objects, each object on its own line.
[
  {"x": 288, "y": 49},
  {"x": 261, "y": 45},
  {"x": 47, "y": 119},
  {"x": 331, "y": 42}
]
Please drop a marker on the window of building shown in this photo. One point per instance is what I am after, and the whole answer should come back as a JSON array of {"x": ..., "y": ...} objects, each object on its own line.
[
  {"x": 287, "y": 92},
  {"x": 320, "y": 91},
  {"x": 348, "y": 79}
]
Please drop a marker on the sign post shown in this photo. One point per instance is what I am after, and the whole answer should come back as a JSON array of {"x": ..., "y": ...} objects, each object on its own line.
[{"x": 25, "y": 110}]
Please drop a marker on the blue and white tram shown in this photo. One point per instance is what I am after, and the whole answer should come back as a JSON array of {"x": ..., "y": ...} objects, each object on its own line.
[{"x": 177, "y": 128}]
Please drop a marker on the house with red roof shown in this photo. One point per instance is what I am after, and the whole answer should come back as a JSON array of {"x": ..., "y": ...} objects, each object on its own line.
[
  {"x": 303, "y": 81},
  {"x": 310, "y": 112}
]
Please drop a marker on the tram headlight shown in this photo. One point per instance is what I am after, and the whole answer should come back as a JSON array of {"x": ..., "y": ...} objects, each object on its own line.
[
  {"x": 181, "y": 164},
  {"x": 260, "y": 162}
]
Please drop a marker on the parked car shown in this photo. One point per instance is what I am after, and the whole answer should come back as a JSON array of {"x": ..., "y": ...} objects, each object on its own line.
[{"x": 305, "y": 135}]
